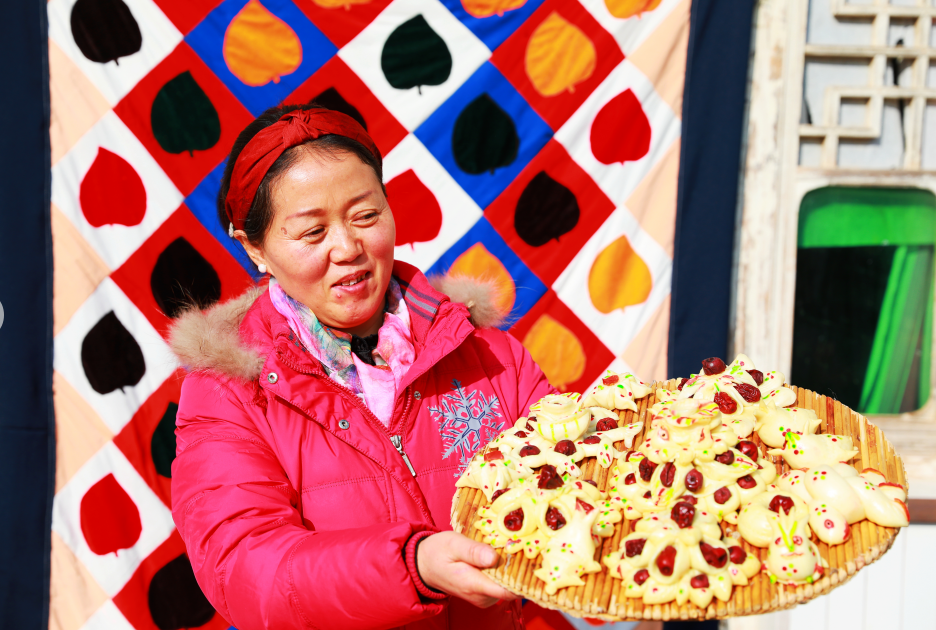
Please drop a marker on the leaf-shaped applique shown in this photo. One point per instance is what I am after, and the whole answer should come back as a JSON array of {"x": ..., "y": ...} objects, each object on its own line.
[
  {"x": 175, "y": 600},
  {"x": 414, "y": 55},
  {"x": 182, "y": 277},
  {"x": 619, "y": 277},
  {"x": 338, "y": 4},
  {"x": 110, "y": 520},
  {"x": 163, "y": 444},
  {"x": 629, "y": 8},
  {"x": 559, "y": 56},
  {"x": 546, "y": 210},
  {"x": 487, "y": 8},
  {"x": 556, "y": 350},
  {"x": 259, "y": 47},
  {"x": 331, "y": 99},
  {"x": 415, "y": 209},
  {"x": 105, "y": 30},
  {"x": 111, "y": 357},
  {"x": 478, "y": 262},
  {"x": 112, "y": 192},
  {"x": 183, "y": 117},
  {"x": 621, "y": 130},
  {"x": 485, "y": 137}
]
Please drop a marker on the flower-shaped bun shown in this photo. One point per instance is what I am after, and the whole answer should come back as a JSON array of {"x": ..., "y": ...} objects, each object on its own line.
[{"x": 561, "y": 417}]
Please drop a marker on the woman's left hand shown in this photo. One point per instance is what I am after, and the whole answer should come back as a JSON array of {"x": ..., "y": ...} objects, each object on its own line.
[{"x": 450, "y": 563}]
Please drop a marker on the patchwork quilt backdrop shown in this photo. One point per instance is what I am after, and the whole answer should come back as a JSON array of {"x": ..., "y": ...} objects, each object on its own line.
[{"x": 533, "y": 142}]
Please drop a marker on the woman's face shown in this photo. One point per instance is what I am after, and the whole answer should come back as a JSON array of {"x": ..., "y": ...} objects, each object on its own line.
[{"x": 330, "y": 243}]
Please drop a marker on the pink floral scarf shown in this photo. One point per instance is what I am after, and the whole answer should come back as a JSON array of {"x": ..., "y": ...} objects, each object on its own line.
[{"x": 376, "y": 385}]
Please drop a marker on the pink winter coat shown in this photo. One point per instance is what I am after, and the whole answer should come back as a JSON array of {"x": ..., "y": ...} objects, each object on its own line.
[{"x": 293, "y": 502}]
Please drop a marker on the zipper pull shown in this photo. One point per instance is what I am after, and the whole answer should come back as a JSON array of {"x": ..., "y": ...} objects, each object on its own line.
[{"x": 398, "y": 445}]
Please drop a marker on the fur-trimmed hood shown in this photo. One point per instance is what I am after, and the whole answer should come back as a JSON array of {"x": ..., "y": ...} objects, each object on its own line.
[{"x": 211, "y": 340}]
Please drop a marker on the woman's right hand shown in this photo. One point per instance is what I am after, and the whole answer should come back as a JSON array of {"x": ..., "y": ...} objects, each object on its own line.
[{"x": 450, "y": 563}]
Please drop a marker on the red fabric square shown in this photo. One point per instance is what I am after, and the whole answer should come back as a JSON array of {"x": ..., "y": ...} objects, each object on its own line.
[
  {"x": 148, "y": 440},
  {"x": 569, "y": 353},
  {"x": 557, "y": 49},
  {"x": 186, "y": 14},
  {"x": 540, "y": 203},
  {"x": 163, "y": 593},
  {"x": 342, "y": 20},
  {"x": 339, "y": 81},
  {"x": 182, "y": 120},
  {"x": 180, "y": 260}
]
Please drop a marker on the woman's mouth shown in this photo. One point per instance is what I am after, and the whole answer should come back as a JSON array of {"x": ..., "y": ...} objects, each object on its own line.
[{"x": 353, "y": 279}]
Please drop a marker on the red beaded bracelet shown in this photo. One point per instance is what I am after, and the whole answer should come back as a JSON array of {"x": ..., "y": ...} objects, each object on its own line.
[{"x": 411, "y": 546}]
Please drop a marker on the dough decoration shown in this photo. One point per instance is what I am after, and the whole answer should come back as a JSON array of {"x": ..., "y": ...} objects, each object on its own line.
[
  {"x": 773, "y": 422},
  {"x": 617, "y": 391},
  {"x": 688, "y": 450},
  {"x": 809, "y": 451},
  {"x": 561, "y": 417},
  {"x": 779, "y": 520},
  {"x": 680, "y": 556},
  {"x": 694, "y": 468},
  {"x": 735, "y": 388}
]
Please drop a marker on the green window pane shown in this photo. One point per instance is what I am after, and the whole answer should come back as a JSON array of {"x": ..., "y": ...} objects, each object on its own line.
[{"x": 862, "y": 325}]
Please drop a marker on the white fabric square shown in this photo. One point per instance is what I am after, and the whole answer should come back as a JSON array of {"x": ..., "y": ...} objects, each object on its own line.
[
  {"x": 412, "y": 106},
  {"x": 619, "y": 180},
  {"x": 459, "y": 211},
  {"x": 116, "y": 408},
  {"x": 115, "y": 79},
  {"x": 108, "y": 617},
  {"x": 111, "y": 570},
  {"x": 114, "y": 242},
  {"x": 630, "y": 32},
  {"x": 617, "y": 328}
]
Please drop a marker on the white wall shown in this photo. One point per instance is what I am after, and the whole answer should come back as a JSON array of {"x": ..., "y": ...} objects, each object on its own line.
[{"x": 898, "y": 592}]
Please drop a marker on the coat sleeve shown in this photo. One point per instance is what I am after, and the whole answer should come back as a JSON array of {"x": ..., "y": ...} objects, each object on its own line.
[{"x": 253, "y": 557}]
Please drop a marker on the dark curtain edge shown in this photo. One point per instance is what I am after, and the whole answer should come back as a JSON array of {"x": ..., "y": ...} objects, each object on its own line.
[
  {"x": 713, "y": 120},
  {"x": 27, "y": 423}
]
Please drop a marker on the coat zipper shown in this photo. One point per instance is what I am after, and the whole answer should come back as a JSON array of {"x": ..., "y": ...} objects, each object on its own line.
[
  {"x": 398, "y": 445},
  {"x": 395, "y": 440}
]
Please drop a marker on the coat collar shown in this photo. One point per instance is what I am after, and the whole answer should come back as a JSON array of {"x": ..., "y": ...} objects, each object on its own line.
[{"x": 236, "y": 338}]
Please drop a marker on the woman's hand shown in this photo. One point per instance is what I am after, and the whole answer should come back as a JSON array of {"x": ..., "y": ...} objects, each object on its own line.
[{"x": 449, "y": 562}]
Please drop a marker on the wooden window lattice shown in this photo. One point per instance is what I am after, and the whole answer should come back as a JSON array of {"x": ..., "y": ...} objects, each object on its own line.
[{"x": 916, "y": 58}]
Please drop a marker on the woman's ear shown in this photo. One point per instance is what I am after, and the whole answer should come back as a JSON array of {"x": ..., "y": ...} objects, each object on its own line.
[{"x": 255, "y": 253}]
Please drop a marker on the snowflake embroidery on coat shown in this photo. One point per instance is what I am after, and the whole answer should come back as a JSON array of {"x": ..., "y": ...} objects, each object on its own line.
[{"x": 466, "y": 421}]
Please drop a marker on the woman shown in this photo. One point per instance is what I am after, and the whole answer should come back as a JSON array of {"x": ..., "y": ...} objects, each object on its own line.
[{"x": 312, "y": 485}]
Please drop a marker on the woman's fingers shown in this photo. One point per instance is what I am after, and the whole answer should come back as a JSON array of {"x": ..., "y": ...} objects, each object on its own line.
[
  {"x": 479, "y": 590},
  {"x": 449, "y": 562},
  {"x": 476, "y": 554}
]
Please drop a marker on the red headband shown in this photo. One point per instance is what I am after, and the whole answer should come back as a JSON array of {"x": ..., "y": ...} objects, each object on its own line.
[{"x": 291, "y": 130}]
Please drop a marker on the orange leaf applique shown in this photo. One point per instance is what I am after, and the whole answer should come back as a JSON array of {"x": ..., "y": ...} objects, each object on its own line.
[
  {"x": 487, "y": 8},
  {"x": 629, "y": 8},
  {"x": 477, "y": 262},
  {"x": 556, "y": 350},
  {"x": 619, "y": 277},
  {"x": 559, "y": 56},
  {"x": 259, "y": 47}
]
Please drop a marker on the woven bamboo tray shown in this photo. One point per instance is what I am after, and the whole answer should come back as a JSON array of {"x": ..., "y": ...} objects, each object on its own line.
[{"x": 601, "y": 596}]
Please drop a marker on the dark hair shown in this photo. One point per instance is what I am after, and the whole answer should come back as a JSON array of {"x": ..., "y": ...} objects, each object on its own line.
[{"x": 261, "y": 210}]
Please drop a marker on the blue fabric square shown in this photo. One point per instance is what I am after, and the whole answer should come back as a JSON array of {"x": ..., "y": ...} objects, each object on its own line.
[
  {"x": 207, "y": 39},
  {"x": 493, "y": 29},
  {"x": 529, "y": 288},
  {"x": 436, "y": 132},
  {"x": 203, "y": 204}
]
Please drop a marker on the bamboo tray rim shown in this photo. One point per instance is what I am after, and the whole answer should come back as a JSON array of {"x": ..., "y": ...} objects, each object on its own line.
[{"x": 600, "y": 597}]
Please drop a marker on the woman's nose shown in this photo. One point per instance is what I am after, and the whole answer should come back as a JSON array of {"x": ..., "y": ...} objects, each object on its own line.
[{"x": 346, "y": 247}]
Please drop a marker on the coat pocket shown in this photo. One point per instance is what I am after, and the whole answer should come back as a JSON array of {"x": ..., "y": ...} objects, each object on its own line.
[{"x": 346, "y": 504}]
